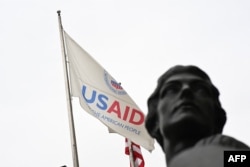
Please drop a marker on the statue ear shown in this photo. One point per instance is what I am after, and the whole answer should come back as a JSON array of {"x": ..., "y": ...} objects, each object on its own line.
[
  {"x": 154, "y": 130},
  {"x": 152, "y": 121},
  {"x": 152, "y": 125}
]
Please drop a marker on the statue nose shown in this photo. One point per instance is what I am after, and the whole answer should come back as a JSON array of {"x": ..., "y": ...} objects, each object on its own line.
[
  {"x": 185, "y": 86},
  {"x": 186, "y": 91}
]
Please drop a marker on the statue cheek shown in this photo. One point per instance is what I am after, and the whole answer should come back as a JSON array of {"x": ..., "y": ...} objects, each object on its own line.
[{"x": 165, "y": 104}]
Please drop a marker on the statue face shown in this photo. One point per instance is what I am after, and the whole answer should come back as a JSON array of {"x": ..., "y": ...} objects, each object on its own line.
[{"x": 186, "y": 107}]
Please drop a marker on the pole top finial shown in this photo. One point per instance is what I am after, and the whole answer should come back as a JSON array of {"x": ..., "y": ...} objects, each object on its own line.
[{"x": 58, "y": 12}]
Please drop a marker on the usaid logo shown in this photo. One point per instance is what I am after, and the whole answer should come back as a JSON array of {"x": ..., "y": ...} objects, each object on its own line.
[{"x": 113, "y": 85}]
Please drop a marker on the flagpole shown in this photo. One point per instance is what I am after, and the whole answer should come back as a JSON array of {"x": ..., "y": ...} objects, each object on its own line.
[
  {"x": 68, "y": 96},
  {"x": 131, "y": 154}
]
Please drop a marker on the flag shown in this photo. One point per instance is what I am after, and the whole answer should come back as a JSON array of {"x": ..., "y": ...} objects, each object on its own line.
[
  {"x": 103, "y": 97},
  {"x": 136, "y": 153}
]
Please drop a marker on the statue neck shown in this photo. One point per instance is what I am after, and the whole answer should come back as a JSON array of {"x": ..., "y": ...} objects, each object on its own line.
[{"x": 174, "y": 147}]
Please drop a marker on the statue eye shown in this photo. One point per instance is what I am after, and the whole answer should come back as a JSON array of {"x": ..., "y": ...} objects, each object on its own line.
[
  {"x": 170, "y": 89},
  {"x": 201, "y": 88}
]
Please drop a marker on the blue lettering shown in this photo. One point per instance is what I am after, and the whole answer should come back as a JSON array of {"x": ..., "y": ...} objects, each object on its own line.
[
  {"x": 103, "y": 105},
  {"x": 92, "y": 99},
  {"x": 101, "y": 101}
]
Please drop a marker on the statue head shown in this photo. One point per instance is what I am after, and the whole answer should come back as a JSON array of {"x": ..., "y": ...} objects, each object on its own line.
[{"x": 185, "y": 103}]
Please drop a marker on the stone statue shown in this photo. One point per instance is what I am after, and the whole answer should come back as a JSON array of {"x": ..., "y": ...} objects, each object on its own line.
[{"x": 186, "y": 118}]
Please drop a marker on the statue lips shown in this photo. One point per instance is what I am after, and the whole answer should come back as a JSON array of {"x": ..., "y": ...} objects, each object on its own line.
[{"x": 185, "y": 107}]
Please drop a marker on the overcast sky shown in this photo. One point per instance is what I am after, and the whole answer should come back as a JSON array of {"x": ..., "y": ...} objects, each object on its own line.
[{"x": 136, "y": 41}]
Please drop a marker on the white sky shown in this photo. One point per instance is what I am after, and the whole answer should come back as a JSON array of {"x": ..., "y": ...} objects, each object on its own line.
[{"x": 136, "y": 41}]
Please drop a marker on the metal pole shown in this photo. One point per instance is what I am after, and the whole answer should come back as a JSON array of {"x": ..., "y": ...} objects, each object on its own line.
[
  {"x": 131, "y": 154},
  {"x": 68, "y": 96}
]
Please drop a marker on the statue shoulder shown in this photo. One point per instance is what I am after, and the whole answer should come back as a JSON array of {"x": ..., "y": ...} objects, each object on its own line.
[
  {"x": 222, "y": 140},
  {"x": 207, "y": 152}
]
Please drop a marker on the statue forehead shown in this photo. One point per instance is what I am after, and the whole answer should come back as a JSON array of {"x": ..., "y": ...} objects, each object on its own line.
[{"x": 184, "y": 77}]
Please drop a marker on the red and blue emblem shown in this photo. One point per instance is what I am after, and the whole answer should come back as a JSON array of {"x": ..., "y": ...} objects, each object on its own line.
[{"x": 113, "y": 85}]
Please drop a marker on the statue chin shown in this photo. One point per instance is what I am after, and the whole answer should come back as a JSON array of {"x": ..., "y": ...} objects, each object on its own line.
[{"x": 186, "y": 128}]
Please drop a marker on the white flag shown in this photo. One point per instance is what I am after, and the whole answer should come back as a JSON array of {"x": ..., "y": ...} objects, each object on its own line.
[{"x": 103, "y": 97}]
